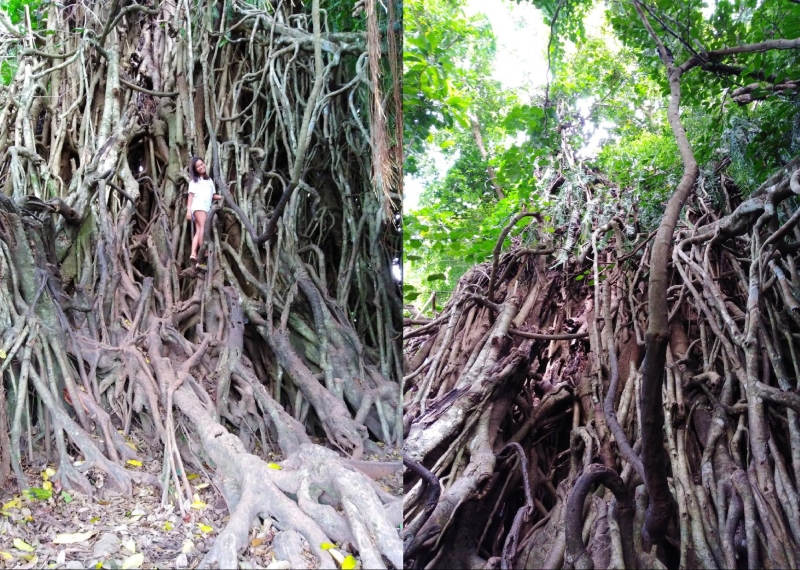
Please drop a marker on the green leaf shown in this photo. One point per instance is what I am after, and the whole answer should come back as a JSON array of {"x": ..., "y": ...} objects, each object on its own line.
[
  {"x": 436, "y": 277},
  {"x": 39, "y": 494},
  {"x": 66, "y": 497}
]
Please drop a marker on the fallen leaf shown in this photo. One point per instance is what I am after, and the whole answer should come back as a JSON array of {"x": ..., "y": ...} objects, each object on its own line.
[
  {"x": 192, "y": 476},
  {"x": 199, "y": 505},
  {"x": 327, "y": 545},
  {"x": 130, "y": 545},
  {"x": 74, "y": 537},
  {"x": 257, "y": 542},
  {"x": 61, "y": 558},
  {"x": 14, "y": 503},
  {"x": 134, "y": 462},
  {"x": 3, "y": 354},
  {"x": 204, "y": 528},
  {"x": 134, "y": 561},
  {"x": 20, "y": 544},
  {"x": 66, "y": 497},
  {"x": 6, "y": 555},
  {"x": 129, "y": 444},
  {"x": 94, "y": 520},
  {"x": 33, "y": 561},
  {"x": 48, "y": 486},
  {"x": 349, "y": 562},
  {"x": 187, "y": 547},
  {"x": 201, "y": 486},
  {"x": 274, "y": 466},
  {"x": 50, "y": 471},
  {"x": 137, "y": 513},
  {"x": 168, "y": 526},
  {"x": 39, "y": 494}
]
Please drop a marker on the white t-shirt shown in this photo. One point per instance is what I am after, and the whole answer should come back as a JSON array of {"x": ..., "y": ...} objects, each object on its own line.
[{"x": 203, "y": 191}]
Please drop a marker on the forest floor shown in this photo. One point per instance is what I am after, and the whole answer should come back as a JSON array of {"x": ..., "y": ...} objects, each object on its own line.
[{"x": 73, "y": 530}]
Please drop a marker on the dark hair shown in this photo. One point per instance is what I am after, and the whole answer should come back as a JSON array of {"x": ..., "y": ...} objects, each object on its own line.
[{"x": 192, "y": 172}]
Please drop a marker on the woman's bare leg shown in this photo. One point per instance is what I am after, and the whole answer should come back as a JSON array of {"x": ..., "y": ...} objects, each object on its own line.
[{"x": 199, "y": 229}]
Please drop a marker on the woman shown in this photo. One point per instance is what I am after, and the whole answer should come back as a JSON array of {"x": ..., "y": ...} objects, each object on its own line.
[{"x": 201, "y": 194}]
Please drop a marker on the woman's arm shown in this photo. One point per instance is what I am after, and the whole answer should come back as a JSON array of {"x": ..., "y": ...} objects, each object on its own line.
[
  {"x": 189, "y": 207},
  {"x": 216, "y": 197}
]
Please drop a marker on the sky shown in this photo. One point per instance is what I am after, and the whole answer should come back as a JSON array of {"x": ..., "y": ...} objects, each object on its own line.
[
  {"x": 522, "y": 36},
  {"x": 520, "y": 63}
]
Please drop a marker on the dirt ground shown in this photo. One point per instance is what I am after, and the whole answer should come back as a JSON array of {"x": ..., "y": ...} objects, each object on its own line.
[{"x": 68, "y": 529}]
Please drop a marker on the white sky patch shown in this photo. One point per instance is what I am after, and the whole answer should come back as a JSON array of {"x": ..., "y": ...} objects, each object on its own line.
[
  {"x": 709, "y": 8},
  {"x": 599, "y": 133},
  {"x": 521, "y": 35}
]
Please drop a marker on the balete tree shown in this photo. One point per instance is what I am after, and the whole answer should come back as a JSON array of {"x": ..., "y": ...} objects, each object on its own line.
[
  {"x": 614, "y": 384},
  {"x": 285, "y": 337}
]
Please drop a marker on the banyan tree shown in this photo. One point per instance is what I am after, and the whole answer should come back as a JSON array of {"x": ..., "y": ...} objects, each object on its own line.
[{"x": 285, "y": 337}]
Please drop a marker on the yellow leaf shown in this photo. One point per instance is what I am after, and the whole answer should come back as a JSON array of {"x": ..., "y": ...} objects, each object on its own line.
[
  {"x": 2, "y": 354},
  {"x": 257, "y": 542},
  {"x": 327, "y": 545},
  {"x": 199, "y": 505},
  {"x": 14, "y": 503},
  {"x": 94, "y": 520},
  {"x": 50, "y": 471},
  {"x": 147, "y": 360},
  {"x": 192, "y": 476},
  {"x": 349, "y": 562},
  {"x": 129, "y": 444},
  {"x": 134, "y": 561},
  {"x": 6, "y": 555},
  {"x": 201, "y": 486},
  {"x": 168, "y": 526},
  {"x": 134, "y": 462},
  {"x": 274, "y": 466},
  {"x": 73, "y": 538},
  {"x": 47, "y": 485},
  {"x": 204, "y": 527},
  {"x": 20, "y": 544}
]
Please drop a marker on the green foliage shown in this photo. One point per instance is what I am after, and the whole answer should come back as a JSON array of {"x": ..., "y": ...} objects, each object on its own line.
[
  {"x": 614, "y": 81},
  {"x": 7, "y": 71},
  {"x": 340, "y": 18},
  {"x": 440, "y": 46},
  {"x": 16, "y": 11}
]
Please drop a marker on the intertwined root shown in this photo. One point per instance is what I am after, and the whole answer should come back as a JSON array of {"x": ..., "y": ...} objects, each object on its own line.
[
  {"x": 290, "y": 329},
  {"x": 253, "y": 488},
  {"x": 555, "y": 366}
]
